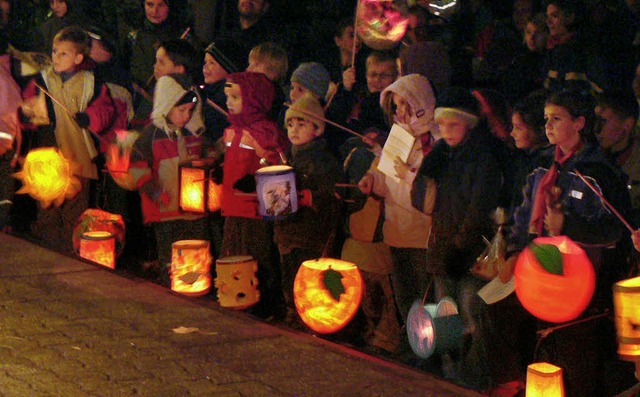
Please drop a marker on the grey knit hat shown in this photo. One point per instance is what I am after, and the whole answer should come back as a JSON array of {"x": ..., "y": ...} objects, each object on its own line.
[{"x": 314, "y": 77}]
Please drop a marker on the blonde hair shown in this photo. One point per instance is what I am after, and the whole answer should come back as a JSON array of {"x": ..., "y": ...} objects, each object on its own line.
[
  {"x": 273, "y": 56},
  {"x": 77, "y": 36}
]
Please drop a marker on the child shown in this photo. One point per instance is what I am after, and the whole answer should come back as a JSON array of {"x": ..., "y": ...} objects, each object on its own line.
[
  {"x": 89, "y": 109},
  {"x": 252, "y": 140},
  {"x": 468, "y": 182},
  {"x": 311, "y": 78},
  {"x": 271, "y": 59},
  {"x": 408, "y": 102},
  {"x": 63, "y": 13},
  {"x": 307, "y": 234},
  {"x": 173, "y": 138}
]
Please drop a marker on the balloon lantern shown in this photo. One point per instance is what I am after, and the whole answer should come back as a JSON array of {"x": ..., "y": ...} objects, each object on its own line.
[
  {"x": 94, "y": 219},
  {"x": 432, "y": 327},
  {"x": 561, "y": 295},
  {"x": 237, "y": 282},
  {"x": 99, "y": 247},
  {"x": 544, "y": 380},
  {"x": 327, "y": 293},
  {"x": 48, "y": 177},
  {"x": 198, "y": 192},
  {"x": 380, "y": 24},
  {"x": 190, "y": 267},
  {"x": 626, "y": 304},
  {"x": 118, "y": 158}
]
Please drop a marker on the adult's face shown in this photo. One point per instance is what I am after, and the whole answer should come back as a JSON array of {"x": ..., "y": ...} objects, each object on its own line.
[
  {"x": 156, "y": 11},
  {"x": 252, "y": 8}
]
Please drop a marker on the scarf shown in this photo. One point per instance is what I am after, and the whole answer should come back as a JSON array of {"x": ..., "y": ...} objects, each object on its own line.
[{"x": 539, "y": 209}]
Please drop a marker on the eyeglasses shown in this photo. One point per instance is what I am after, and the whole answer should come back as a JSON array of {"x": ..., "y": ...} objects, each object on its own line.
[{"x": 385, "y": 76}]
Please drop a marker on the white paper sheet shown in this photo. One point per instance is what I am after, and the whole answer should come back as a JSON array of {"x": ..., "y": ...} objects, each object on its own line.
[
  {"x": 496, "y": 290},
  {"x": 399, "y": 143}
]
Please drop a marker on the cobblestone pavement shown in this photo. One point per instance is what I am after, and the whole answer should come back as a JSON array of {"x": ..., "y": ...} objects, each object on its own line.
[{"x": 70, "y": 328}]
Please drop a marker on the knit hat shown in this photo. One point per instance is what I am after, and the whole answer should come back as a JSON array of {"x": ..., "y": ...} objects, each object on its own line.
[
  {"x": 306, "y": 107},
  {"x": 314, "y": 77},
  {"x": 458, "y": 102},
  {"x": 229, "y": 54}
]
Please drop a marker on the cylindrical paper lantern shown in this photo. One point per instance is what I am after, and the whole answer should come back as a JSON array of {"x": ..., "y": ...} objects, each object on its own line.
[
  {"x": 626, "y": 303},
  {"x": 190, "y": 267},
  {"x": 327, "y": 293},
  {"x": 237, "y": 282},
  {"x": 544, "y": 380},
  {"x": 553, "y": 297},
  {"x": 99, "y": 247},
  {"x": 276, "y": 189},
  {"x": 434, "y": 327}
]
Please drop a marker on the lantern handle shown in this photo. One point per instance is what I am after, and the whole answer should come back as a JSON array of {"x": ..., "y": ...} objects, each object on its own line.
[{"x": 426, "y": 294}]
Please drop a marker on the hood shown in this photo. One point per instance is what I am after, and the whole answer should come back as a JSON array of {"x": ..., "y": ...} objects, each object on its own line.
[{"x": 168, "y": 91}]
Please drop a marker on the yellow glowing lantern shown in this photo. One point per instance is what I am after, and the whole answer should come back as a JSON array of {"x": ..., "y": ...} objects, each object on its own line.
[
  {"x": 190, "y": 267},
  {"x": 118, "y": 158},
  {"x": 544, "y": 380},
  {"x": 626, "y": 303},
  {"x": 237, "y": 282},
  {"x": 99, "y": 247},
  {"x": 198, "y": 192},
  {"x": 48, "y": 177},
  {"x": 327, "y": 293}
]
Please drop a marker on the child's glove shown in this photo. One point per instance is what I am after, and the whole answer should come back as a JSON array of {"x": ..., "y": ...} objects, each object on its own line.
[
  {"x": 304, "y": 198},
  {"x": 155, "y": 192},
  {"x": 82, "y": 119},
  {"x": 246, "y": 184}
]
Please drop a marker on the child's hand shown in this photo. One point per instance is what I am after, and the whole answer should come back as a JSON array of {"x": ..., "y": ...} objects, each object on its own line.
[
  {"x": 349, "y": 78},
  {"x": 371, "y": 139},
  {"x": 553, "y": 221},
  {"x": 402, "y": 168},
  {"x": 366, "y": 184},
  {"x": 635, "y": 237},
  {"x": 82, "y": 119}
]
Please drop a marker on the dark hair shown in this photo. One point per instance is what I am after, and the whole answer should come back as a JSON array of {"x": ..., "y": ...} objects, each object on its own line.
[
  {"x": 342, "y": 24},
  {"x": 578, "y": 104},
  {"x": 531, "y": 110},
  {"x": 182, "y": 53},
  {"x": 568, "y": 7},
  {"x": 76, "y": 35},
  {"x": 623, "y": 103}
]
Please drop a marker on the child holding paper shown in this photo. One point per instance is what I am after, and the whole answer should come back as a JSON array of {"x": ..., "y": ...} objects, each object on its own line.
[{"x": 409, "y": 104}]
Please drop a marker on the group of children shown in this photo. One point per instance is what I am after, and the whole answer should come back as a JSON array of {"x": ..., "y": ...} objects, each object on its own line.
[{"x": 412, "y": 231}]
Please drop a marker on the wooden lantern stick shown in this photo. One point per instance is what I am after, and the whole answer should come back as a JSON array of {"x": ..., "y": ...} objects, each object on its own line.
[
  {"x": 608, "y": 204},
  {"x": 54, "y": 99},
  {"x": 325, "y": 120},
  {"x": 217, "y": 107}
]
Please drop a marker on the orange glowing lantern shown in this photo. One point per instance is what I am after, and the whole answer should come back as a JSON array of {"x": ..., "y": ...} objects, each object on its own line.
[
  {"x": 118, "y": 158},
  {"x": 190, "y": 267},
  {"x": 555, "y": 285},
  {"x": 48, "y": 177},
  {"x": 237, "y": 282},
  {"x": 327, "y": 293},
  {"x": 198, "y": 192},
  {"x": 94, "y": 219},
  {"x": 626, "y": 304},
  {"x": 544, "y": 380},
  {"x": 99, "y": 247}
]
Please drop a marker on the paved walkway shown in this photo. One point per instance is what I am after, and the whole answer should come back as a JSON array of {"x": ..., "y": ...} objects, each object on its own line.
[{"x": 70, "y": 328}]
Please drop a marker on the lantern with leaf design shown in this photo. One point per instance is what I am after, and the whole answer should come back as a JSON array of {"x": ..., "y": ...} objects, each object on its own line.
[
  {"x": 95, "y": 219},
  {"x": 198, "y": 191},
  {"x": 327, "y": 293},
  {"x": 554, "y": 279},
  {"x": 190, "y": 267},
  {"x": 99, "y": 247},
  {"x": 47, "y": 176}
]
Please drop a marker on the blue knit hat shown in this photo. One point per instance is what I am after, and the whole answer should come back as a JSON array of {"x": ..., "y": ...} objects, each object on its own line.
[{"x": 314, "y": 77}]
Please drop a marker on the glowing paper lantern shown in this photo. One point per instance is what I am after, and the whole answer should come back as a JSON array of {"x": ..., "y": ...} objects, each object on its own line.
[
  {"x": 94, "y": 219},
  {"x": 555, "y": 297},
  {"x": 237, "y": 282},
  {"x": 99, "y": 247},
  {"x": 380, "y": 24},
  {"x": 544, "y": 380},
  {"x": 198, "y": 192},
  {"x": 118, "y": 158},
  {"x": 433, "y": 328},
  {"x": 327, "y": 293},
  {"x": 626, "y": 304},
  {"x": 190, "y": 267},
  {"x": 48, "y": 177}
]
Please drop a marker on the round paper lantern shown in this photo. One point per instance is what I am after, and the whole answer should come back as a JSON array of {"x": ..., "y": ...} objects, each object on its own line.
[
  {"x": 380, "y": 24},
  {"x": 94, "y": 219},
  {"x": 433, "y": 327},
  {"x": 327, "y": 293},
  {"x": 48, "y": 177},
  {"x": 555, "y": 297}
]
